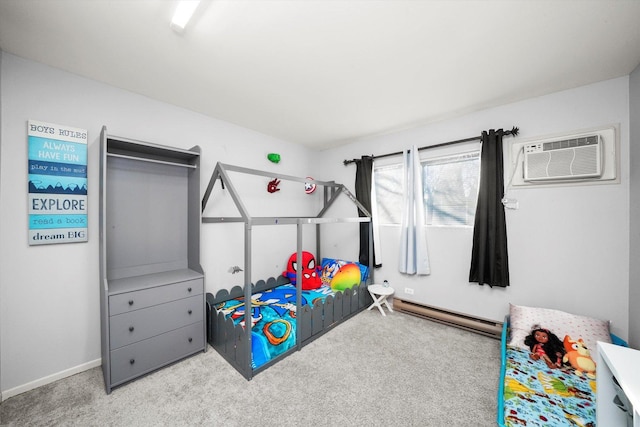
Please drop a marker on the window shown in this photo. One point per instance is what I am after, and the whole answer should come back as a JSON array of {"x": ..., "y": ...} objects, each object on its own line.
[{"x": 450, "y": 186}]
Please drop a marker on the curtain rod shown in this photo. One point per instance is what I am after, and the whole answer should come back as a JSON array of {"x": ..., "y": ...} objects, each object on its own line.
[{"x": 514, "y": 131}]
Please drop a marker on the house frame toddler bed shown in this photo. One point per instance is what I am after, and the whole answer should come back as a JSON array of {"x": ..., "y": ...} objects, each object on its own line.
[{"x": 316, "y": 311}]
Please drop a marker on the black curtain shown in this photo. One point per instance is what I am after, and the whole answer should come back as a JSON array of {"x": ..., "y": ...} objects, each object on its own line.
[
  {"x": 364, "y": 169},
  {"x": 489, "y": 258}
]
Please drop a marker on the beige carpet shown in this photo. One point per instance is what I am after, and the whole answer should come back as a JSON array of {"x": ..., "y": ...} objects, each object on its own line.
[{"x": 370, "y": 371}]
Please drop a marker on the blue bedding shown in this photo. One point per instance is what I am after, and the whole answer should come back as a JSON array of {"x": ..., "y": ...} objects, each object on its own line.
[{"x": 273, "y": 319}]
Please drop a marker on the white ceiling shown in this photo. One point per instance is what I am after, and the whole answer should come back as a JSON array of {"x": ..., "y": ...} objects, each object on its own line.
[{"x": 322, "y": 73}]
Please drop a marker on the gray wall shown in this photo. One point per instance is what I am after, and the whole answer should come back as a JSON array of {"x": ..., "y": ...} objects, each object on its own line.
[
  {"x": 568, "y": 245},
  {"x": 634, "y": 201},
  {"x": 49, "y": 300}
]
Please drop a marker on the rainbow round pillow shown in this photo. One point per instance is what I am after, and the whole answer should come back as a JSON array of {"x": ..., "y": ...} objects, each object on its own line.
[{"x": 347, "y": 277}]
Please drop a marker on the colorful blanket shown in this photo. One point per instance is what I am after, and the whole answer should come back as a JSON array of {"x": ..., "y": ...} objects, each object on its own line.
[
  {"x": 535, "y": 395},
  {"x": 273, "y": 319}
]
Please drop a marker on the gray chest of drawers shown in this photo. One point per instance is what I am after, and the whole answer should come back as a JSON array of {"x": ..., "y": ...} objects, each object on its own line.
[
  {"x": 152, "y": 299},
  {"x": 154, "y": 326}
]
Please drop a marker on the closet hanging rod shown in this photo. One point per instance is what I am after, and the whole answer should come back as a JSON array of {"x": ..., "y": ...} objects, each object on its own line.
[
  {"x": 514, "y": 131},
  {"x": 143, "y": 159}
]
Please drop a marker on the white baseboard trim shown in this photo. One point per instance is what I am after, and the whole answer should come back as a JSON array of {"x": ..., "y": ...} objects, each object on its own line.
[{"x": 6, "y": 394}]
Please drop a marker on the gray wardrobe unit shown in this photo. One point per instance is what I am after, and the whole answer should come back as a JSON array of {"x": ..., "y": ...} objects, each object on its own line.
[{"x": 152, "y": 299}]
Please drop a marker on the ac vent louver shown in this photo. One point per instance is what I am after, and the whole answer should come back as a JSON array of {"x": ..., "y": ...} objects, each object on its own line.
[{"x": 577, "y": 158}]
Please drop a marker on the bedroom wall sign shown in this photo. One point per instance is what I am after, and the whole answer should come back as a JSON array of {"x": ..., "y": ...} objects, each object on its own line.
[{"x": 57, "y": 183}]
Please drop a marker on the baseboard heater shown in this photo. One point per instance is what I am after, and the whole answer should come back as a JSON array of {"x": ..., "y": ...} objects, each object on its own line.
[{"x": 486, "y": 327}]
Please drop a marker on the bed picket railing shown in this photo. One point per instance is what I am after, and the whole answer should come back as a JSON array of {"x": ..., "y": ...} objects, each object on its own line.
[{"x": 230, "y": 341}]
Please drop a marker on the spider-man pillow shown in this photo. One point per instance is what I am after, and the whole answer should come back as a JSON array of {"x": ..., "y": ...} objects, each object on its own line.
[{"x": 310, "y": 271}]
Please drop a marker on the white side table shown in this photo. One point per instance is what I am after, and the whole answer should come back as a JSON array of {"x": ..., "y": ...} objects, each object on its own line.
[
  {"x": 380, "y": 293},
  {"x": 622, "y": 364}
]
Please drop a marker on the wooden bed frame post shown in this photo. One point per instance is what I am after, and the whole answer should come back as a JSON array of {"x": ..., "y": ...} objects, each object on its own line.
[
  {"x": 372, "y": 260},
  {"x": 247, "y": 296},
  {"x": 299, "y": 283}
]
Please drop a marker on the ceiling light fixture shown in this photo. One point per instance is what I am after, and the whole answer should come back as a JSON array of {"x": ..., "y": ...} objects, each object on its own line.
[{"x": 184, "y": 12}]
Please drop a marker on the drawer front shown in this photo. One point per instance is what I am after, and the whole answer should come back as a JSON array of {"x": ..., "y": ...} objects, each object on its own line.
[
  {"x": 123, "y": 303},
  {"x": 147, "y": 355},
  {"x": 127, "y": 328}
]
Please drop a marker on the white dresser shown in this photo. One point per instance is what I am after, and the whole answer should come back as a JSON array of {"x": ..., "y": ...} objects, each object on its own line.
[{"x": 624, "y": 364}]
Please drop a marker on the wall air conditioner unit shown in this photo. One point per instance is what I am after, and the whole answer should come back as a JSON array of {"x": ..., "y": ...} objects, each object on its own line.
[{"x": 564, "y": 159}]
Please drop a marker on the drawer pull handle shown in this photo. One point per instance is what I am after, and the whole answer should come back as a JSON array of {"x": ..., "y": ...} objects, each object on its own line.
[
  {"x": 130, "y": 302},
  {"x": 189, "y": 311},
  {"x": 130, "y": 328},
  {"x": 190, "y": 339},
  {"x": 189, "y": 289},
  {"x": 132, "y": 361}
]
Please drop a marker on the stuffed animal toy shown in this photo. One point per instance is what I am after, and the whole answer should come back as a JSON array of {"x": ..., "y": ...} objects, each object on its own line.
[
  {"x": 578, "y": 357},
  {"x": 310, "y": 271}
]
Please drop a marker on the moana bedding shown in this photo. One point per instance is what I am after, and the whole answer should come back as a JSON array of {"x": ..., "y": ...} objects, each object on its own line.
[
  {"x": 559, "y": 390},
  {"x": 535, "y": 395}
]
